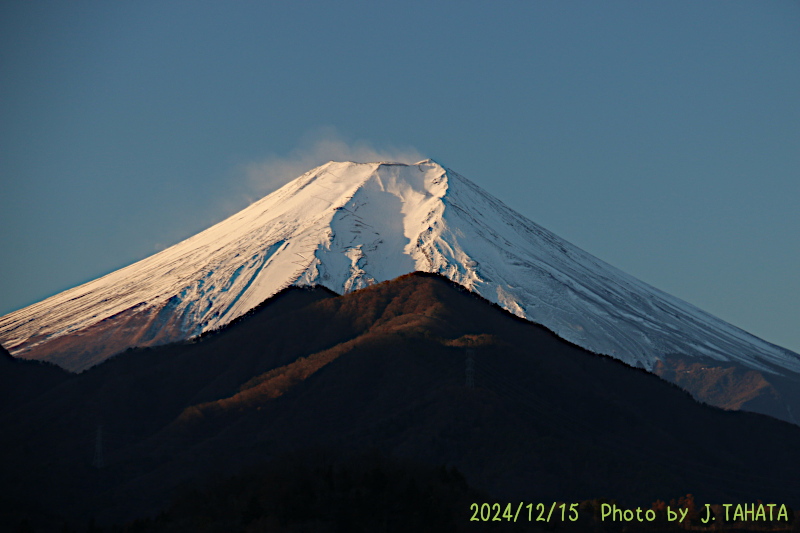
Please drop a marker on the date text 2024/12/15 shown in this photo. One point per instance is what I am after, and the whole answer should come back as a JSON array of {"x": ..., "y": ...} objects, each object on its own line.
[{"x": 495, "y": 512}]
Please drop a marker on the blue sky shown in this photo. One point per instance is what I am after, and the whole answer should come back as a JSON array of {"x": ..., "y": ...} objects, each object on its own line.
[{"x": 662, "y": 137}]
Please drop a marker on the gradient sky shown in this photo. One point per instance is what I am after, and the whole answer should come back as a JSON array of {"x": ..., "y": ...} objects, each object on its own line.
[{"x": 662, "y": 137}]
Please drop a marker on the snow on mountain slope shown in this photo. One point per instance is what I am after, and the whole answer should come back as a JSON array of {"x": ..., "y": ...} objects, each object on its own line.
[{"x": 348, "y": 225}]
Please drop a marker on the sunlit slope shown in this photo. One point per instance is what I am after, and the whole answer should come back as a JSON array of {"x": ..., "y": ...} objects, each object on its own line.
[{"x": 349, "y": 225}]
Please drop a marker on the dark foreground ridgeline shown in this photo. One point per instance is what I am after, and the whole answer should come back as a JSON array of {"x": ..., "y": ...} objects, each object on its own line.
[{"x": 380, "y": 371}]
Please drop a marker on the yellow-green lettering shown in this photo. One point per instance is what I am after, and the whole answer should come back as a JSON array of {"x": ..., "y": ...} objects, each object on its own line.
[
  {"x": 605, "y": 510},
  {"x": 708, "y": 515},
  {"x": 760, "y": 513},
  {"x": 770, "y": 505},
  {"x": 782, "y": 513},
  {"x": 573, "y": 508},
  {"x": 738, "y": 514}
]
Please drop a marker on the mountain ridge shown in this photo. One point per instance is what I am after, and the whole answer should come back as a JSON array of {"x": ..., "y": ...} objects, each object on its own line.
[
  {"x": 385, "y": 370},
  {"x": 348, "y": 225}
]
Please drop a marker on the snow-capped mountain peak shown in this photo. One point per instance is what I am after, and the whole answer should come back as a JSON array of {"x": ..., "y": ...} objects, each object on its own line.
[{"x": 347, "y": 225}]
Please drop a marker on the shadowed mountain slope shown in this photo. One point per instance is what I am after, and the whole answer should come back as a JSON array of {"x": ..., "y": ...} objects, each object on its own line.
[
  {"x": 21, "y": 380},
  {"x": 384, "y": 369},
  {"x": 347, "y": 225}
]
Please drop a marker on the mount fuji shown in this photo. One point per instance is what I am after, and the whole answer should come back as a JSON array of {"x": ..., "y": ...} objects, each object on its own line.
[{"x": 347, "y": 225}]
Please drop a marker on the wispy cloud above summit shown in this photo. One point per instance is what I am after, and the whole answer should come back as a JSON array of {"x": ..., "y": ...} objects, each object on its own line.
[{"x": 317, "y": 148}]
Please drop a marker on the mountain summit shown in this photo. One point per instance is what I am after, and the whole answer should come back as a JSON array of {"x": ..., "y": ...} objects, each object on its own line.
[{"x": 348, "y": 225}]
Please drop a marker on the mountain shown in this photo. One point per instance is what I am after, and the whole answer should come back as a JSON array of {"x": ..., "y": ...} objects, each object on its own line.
[
  {"x": 348, "y": 225},
  {"x": 21, "y": 380},
  {"x": 384, "y": 372}
]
